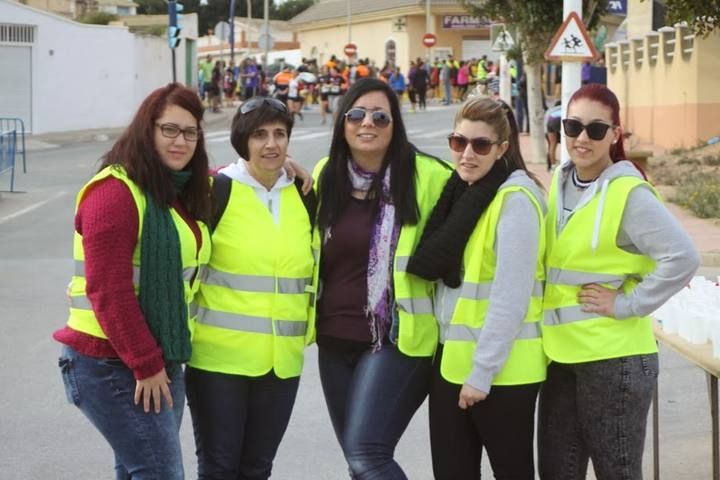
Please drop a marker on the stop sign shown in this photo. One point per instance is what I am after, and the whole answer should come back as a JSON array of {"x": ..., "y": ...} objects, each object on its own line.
[
  {"x": 429, "y": 40},
  {"x": 350, "y": 49}
]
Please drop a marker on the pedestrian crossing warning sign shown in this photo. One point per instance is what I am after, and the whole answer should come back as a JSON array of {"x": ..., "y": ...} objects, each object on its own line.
[{"x": 572, "y": 43}]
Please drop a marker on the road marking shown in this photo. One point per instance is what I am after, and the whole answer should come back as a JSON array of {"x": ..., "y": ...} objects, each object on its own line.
[
  {"x": 222, "y": 133},
  {"x": 295, "y": 138},
  {"x": 308, "y": 136},
  {"x": 31, "y": 207}
]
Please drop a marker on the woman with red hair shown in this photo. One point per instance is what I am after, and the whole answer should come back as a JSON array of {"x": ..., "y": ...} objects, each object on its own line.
[
  {"x": 614, "y": 254},
  {"x": 140, "y": 238}
]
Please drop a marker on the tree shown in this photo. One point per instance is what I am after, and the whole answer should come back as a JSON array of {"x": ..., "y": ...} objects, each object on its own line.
[
  {"x": 209, "y": 14},
  {"x": 535, "y": 22},
  {"x": 702, "y": 16},
  {"x": 291, "y": 8}
]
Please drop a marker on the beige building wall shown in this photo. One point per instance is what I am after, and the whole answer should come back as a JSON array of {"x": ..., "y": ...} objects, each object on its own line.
[
  {"x": 370, "y": 38},
  {"x": 62, "y": 7},
  {"x": 665, "y": 82},
  {"x": 639, "y": 17}
]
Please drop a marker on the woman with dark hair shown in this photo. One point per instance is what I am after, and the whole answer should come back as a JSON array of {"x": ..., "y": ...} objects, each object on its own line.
[
  {"x": 614, "y": 255},
  {"x": 376, "y": 331},
  {"x": 140, "y": 238},
  {"x": 484, "y": 243},
  {"x": 253, "y": 317}
]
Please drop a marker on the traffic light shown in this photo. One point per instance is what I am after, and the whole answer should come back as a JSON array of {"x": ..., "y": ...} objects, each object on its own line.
[{"x": 174, "y": 26}]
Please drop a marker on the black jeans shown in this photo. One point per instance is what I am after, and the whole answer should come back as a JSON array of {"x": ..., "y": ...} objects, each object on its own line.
[
  {"x": 503, "y": 424},
  {"x": 238, "y": 422},
  {"x": 371, "y": 398},
  {"x": 595, "y": 410}
]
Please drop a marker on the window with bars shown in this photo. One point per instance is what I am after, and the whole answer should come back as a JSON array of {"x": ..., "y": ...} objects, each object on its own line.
[{"x": 15, "y": 33}]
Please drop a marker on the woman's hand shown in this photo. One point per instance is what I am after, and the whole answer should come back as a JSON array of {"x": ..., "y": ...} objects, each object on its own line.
[
  {"x": 598, "y": 299},
  {"x": 469, "y": 396},
  {"x": 294, "y": 169},
  {"x": 152, "y": 388}
]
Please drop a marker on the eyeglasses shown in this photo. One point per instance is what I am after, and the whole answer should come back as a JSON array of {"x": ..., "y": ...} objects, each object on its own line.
[
  {"x": 379, "y": 118},
  {"x": 480, "y": 145},
  {"x": 257, "y": 102},
  {"x": 595, "y": 130},
  {"x": 170, "y": 130}
]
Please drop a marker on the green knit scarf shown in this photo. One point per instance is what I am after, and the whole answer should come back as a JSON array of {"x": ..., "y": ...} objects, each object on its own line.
[{"x": 162, "y": 295}]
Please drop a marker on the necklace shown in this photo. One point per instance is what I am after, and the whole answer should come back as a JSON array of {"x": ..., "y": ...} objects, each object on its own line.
[{"x": 581, "y": 184}]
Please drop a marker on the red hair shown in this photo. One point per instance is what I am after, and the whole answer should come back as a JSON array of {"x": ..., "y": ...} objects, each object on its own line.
[
  {"x": 135, "y": 150},
  {"x": 601, "y": 94}
]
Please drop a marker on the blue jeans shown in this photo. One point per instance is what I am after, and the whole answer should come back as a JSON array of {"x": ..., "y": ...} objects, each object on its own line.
[
  {"x": 146, "y": 445},
  {"x": 520, "y": 113},
  {"x": 371, "y": 398},
  {"x": 595, "y": 410}
]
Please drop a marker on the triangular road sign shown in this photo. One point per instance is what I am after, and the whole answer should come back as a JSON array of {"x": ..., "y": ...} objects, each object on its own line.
[
  {"x": 572, "y": 43},
  {"x": 503, "y": 42}
]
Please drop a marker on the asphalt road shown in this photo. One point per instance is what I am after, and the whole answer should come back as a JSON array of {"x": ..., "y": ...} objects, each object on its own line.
[{"x": 44, "y": 437}]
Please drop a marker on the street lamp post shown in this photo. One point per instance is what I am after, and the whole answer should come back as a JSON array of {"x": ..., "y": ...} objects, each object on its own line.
[
  {"x": 232, "y": 31},
  {"x": 570, "y": 77},
  {"x": 249, "y": 28},
  {"x": 349, "y": 22},
  {"x": 266, "y": 23}
]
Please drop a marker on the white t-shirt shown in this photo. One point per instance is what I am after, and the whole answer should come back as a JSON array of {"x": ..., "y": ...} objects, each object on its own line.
[{"x": 293, "y": 88}]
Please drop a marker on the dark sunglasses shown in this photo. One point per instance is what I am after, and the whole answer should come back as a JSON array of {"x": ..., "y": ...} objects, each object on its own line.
[
  {"x": 170, "y": 130},
  {"x": 480, "y": 145},
  {"x": 379, "y": 118},
  {"x": 595, "y": 130},
  {"x": 256, "y": 102}
]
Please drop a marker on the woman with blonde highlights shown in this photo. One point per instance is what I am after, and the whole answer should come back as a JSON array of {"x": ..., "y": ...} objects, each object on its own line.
[{"x": 484, "y": 244}]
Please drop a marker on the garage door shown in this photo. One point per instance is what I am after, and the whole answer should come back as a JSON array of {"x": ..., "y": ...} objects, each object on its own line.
[
  {"x": 15, "y": 83},
  {"x": 472, "y": 48}
]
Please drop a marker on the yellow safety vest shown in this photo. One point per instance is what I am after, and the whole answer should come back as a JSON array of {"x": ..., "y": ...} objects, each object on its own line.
[
  {"x": 418, "y": 334},
  {"x": 254, "y": 298},
  {"x": 569, "y": 334},
  {"x": 526, "y": 362},
  {"x": 82, "y": 317}
]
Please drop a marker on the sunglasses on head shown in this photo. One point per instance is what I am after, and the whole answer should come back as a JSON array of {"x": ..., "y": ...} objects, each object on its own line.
[
  {"x": 379, "y": 118},
  {"x": 480, "y": 145},
  {"x": 256, "y": 102},
  {"x": 595, "y": 130}
]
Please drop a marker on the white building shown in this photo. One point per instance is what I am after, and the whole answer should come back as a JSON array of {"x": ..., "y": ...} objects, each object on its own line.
[{"x": 60, "y": 75}]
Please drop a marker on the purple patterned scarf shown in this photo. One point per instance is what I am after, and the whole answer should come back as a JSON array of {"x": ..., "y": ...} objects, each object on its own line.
[{"x": 383, "y": 242}]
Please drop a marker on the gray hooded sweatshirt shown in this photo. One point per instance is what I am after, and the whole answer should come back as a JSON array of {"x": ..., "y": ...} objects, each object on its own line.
[
  {"x": 647, "y": 228},
  {"x": 516, "y": 248}
]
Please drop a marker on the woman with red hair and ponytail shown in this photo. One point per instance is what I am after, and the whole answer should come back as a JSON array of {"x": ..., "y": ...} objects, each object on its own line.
[{"x": 614, "y": 254}]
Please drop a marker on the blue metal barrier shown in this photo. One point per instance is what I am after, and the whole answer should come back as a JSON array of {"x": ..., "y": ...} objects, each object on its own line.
[
  {"x": 8, "y": 142},
  {"x": 17, "y": 124}
]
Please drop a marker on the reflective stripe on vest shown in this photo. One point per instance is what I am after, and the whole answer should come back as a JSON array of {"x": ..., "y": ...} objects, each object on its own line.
[
  {"x": 481, "y": 291},
  {"x": 526, "y": 362},
  {"x": 247, "y": 323},
  {"x": 82, "y": 317},
  {"x": 415, "y": 306},
  {"x": 83, "y": 303},
  {"x": 255, "y": 292},
  {"x": 585, "y": 252},
  {"x": 401, "y": 263},
  {"x": 418, "y": 332},
  {"x": 573, "y": 313},
  {"x": 255, "y": 283},
  {"x": 465, "y": 333},
  {"x": 574, "y": 277}
]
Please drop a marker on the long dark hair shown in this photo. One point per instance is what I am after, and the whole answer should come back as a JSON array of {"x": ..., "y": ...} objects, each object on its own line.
[
  {"x": 499, "y": 116},
  {"x": 135, "y": 150},
  {"x": 334, "y": 183}
]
